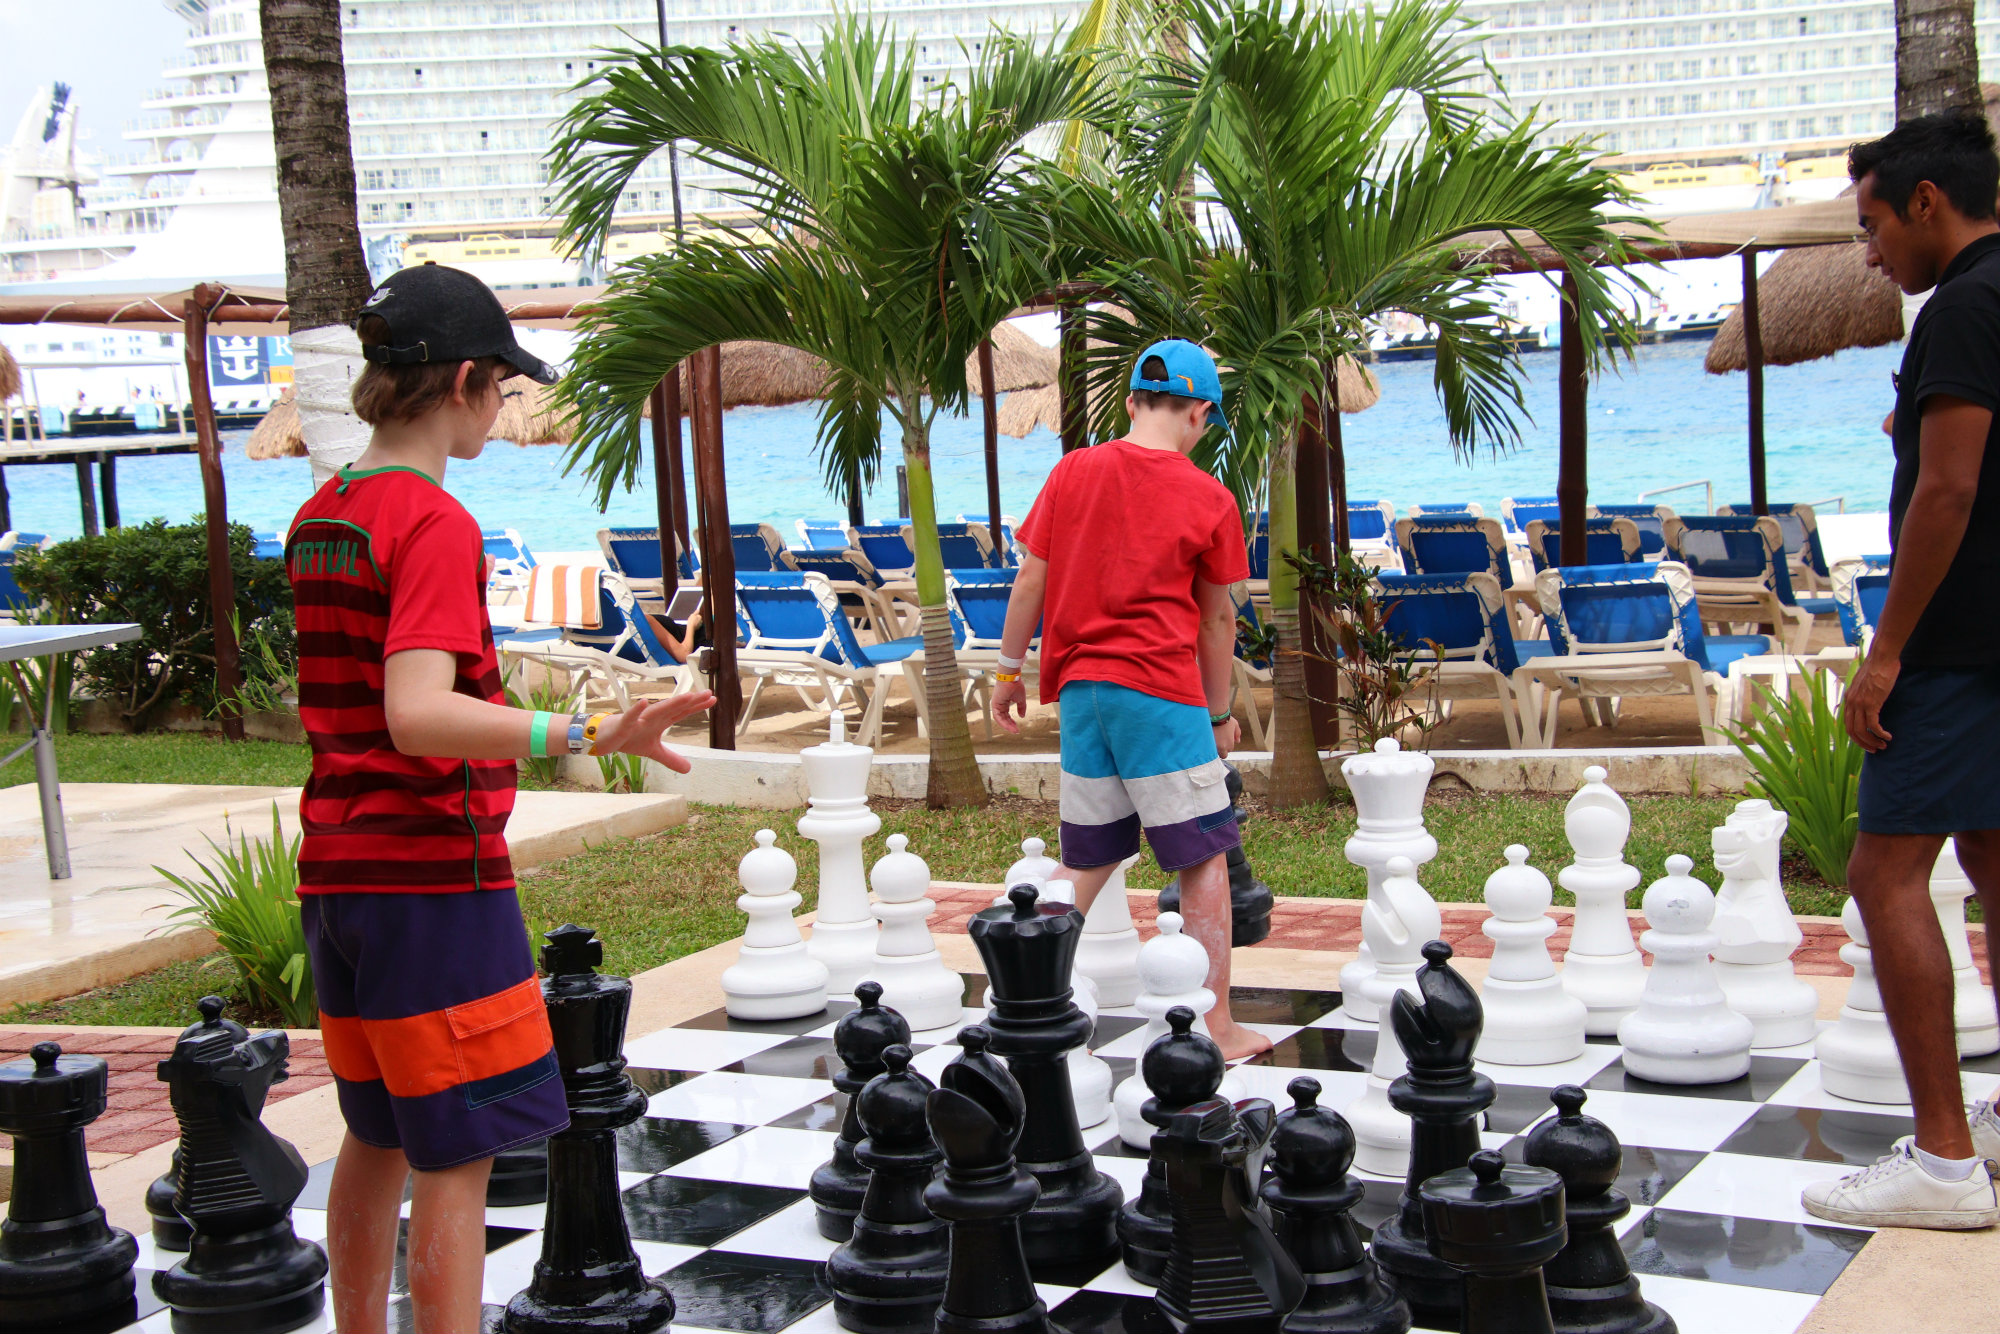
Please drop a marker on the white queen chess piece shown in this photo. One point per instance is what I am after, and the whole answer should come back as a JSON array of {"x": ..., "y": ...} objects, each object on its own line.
[
  {"x": 1530, "y": 1019},
  {"x": 1756, "y": 932},
  {"x": 1388, "y": 785},
  {"x": 1683, "y": 1031},
  {"x": 1972, "y": 1008},
  {"x": 844, "y": 930},
  {"x": 1173, "y": 968},
  {"x": 1108, "y": 951},
  {"x": 915, "y": 982},
  {"x": 773, "y": 977},
  {"x": 1602, "y": 967},
  {"x": 1398, "y": 921},
  {"x": 1857, "y": 1056}
]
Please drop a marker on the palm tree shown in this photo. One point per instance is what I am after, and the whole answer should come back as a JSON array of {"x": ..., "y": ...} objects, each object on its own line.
[
  {"x": 904, "y": 224},
  {"x": 1937, "y": 58}
]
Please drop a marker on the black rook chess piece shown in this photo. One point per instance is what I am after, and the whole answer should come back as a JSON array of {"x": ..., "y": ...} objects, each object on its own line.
[
  {"x": 170, "y": 1231},
  {"x": 62, "y": 1267},
  {"x": 1443, "y": 1096},
  {"x": 1028, "y": 947},
  {"x": 975, "y": 1117},
  {"x": 520, "y": 1176},
  {"x": 1590, "y": 1285},
  {"x": 889, "y": 1277},
  {"x": 1226, "y": 1272},
  {"x": 1182, "y": 1068},
  {"x": 1249, "y": 898},
  {"x": 1310, "y": 1195},
  {"x": 1498, "y": 1225},
  {"x": 859, "y": 1039},
  {"x": 245, "y": 1268},
  {"x": 588, "y": 1277}
]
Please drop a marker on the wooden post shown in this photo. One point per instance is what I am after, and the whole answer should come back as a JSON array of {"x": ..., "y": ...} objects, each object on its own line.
[
  {"x": 86, "y": 494},
  {"x": 215, "y": 504},
  {"x": 718, "y": 557},
  {"x": 1753, "y": 356},
  {"x": 669, "y": 489},
  {"x": 1069, "y": 379},
  {"x": 1573, "y": 430},
  {"x": 1336, "y": 463},
  {"x": 107, "y": 481},
  {"x": 1310, "y": 477},
  {"x": 989, "y": 412}
]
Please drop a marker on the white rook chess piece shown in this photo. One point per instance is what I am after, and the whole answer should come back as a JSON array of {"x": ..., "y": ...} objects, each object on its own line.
[
  {"x": 1683, "y": 1031},
  {"x": 1530, "y": 1019},
  {"x": 1108, "y": 951},
  {"x": 1172, "y": 970},
  {"x": 1857, "y": 1056},
  {"x": 1398, "y": 921},
  {"x": 1756, "y": 932},
  {"x": 1972, "y": 1011},
  {"x": 843, "y": 934},
  {"x": 1388, "y": 785},
  {"x": 773, "y": 977},
  {"x": 1602, "y": 967},
  {"x": 915, "y": 982},
  {"x": 1034, "y": 868}
]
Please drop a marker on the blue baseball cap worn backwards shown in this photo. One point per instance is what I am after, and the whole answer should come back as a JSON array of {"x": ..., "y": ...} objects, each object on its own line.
[{"x": 1190, "y": 374}]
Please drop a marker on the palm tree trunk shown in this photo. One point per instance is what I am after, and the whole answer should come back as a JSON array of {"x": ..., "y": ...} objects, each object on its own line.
[
  {"x": 954, "y": 777},
  {"x": 1296, "y": 777},
  {"x": 1937, "y": 58}
]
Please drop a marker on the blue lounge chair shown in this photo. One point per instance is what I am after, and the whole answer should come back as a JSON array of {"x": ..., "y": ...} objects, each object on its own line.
[
  {"x": 883, "y": 545},
  {"x": 1371, "y": 521},
  {"x": 511, "y": 559},
  {"x": 758, "y": 548},
  {"x": 264, "y": 546},
  {"x": 612, "y": 662},
  {"x": 1648, "y": 519},
  {"x": 1799, "y": 526},
  {"x": 1464, "y": 616},
  {"x": 822, "y": 534},
  {"x": 1605, "y": 542},
  {"x": 1517, "y": 512},
  {"x": 1859, "y": 589},
  {"x": 798, "y": 636},
  {"x": 963, "y": 546},
  {"x": 1463, "y": 544},
  {"x": 1445, "y": 508},
  {"x": 634, "y": 555},
  {"x": 1005, "y": 545},
  {"x": 1741, "y": 575},
  {"x": 978, "y": 599}
]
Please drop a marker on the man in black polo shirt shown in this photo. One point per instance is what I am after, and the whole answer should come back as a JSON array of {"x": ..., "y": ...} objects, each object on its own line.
[{"x": 1925, "y": 703}]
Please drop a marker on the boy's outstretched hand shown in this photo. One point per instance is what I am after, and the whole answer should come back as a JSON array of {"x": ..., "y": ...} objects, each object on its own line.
[
  {"x": 637, "y": 730},
  {"x": 1008, "y": 698}
]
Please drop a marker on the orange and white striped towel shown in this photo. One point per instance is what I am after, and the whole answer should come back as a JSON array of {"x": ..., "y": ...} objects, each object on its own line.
[{"x": 564, "y": 595}]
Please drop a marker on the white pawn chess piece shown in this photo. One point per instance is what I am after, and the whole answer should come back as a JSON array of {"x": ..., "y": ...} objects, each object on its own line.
[
  {"x": 1756, "y": 932},
  {"x": 1398, "y": 922},
  {"x": 1108, "y": 951},
  {"x": 1857, "y": 1056},
  {"x": 915, "y": 982},
  {"x": 1035, "y": 868},
  {"x": 1173, "y": 967},
  {"x": 1972, "y": 1009},
  {"x": 1530, "y": 1019},
  {"x": 1683, "y": 1031},
  {"x": 1388, "y": 785},
  {"x": 773, "y": 977},
  {"x": 1602, "y": 967},
  {"x": 1089, "y": 1075},
  {"x": 844, "y": 930}
]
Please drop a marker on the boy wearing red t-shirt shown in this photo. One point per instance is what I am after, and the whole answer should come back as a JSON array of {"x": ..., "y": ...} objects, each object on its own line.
[
  {"x": 1131, "y": 550},
  {"x": 434, "y": 1024}
]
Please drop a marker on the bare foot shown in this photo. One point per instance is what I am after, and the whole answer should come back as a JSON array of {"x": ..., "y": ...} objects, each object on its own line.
[{"x": 1237, "y": 1041}]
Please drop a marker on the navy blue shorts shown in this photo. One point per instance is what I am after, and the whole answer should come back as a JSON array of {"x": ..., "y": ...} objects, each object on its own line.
[{"x": 1938, "y": 774}]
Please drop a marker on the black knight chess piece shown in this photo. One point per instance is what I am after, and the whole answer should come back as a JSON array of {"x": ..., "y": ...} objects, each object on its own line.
[
  {"x": 62, "y": 1266},
  {"x": 1497, "y": 1225},
  {"x": 1250, "y": 899},
  {"x": 889, "y": 1276},
  {"x": 975, "y": 1116},
  {"x": 170, "y": 1231},
  {"x": 1071, "y": 1233},
  {"x": 1443, "y": 1096},
  {"x": 1310, "y": 1197},
  {"x": 589, "y": 1277},
  {"x": 859, "y": 1039},
  {"x": 1182, "y": 1068},
  {"x": 1226, "y": 1272},
  {"x": 1591, "y": 1287},
  {"x": 520, "y": 1176}
]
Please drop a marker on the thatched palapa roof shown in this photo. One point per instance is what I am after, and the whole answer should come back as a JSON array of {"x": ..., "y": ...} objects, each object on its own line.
[
  {"x": 1811, "y": 303},
  {"x": 527, "y": 417},
  {"x": 277, "y": 436},
  {"x": 1022, "y": 412}
]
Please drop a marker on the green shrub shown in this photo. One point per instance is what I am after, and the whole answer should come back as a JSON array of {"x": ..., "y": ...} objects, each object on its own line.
[
  {"x": 548, "y": 695},
  {"x": 1806, "y": 765},
  {"x": 249, "y": 900},
  {"x": 622, "y": 772}
]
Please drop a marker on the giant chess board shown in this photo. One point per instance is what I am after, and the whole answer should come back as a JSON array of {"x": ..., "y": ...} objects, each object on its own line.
[{"x": 741, "y": 1113}]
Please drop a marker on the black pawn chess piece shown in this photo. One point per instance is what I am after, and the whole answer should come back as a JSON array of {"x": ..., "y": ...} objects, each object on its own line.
[
  {"x": 975, "y": 1116},
  {"x": 245, "y": 1268},
  {"x": 1250, "y": 899},
  {"x": 1226, "y": 1272},
  {"x": 1071, "y": 1233},
  {"x": 519, "y": 1176},
  {"x": 1590, "y": 1284},
  {"x": 1443, "y": 1096},
  {"x": 1310, "y": 1197},
  {"x": 889, "y": 1277},
  {"x": 170, "y": 1231},
  {"x": 62, "y": 1267},
  {"x": 1498, "y": 1225},
  {"x": 859, "y": 1039},
  {"x": 588, "y": 1277},
  {"x": 1182, "y": 1068}
]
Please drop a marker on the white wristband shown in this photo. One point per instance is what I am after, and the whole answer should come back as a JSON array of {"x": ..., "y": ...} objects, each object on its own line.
[{"x": 1008, "y": 664}]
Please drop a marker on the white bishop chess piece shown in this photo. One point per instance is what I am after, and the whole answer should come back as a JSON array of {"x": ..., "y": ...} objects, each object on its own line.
[
  {"x": 1172, "y": 970},
  {"x": 1756, "y": 932},
  {"x": 1857, "y": 1056},
  {"x": 1530, "y": 1019},
  {"x": 1683, "y": 1031},
  {"x": 1602, "y": 967},
  {"x": 1972, "y": 1008},
  {"x": 1388, "y": 785},
  {"x": 773, "y": 976},
  {"x": 844, "y": 930},
  {"x": 915, "y": 982},
  {"x": 1108, "y": 951},
  {"x": 1398, "y": 922}
]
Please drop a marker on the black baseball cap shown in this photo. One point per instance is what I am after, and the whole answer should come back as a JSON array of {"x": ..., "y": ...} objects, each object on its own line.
[{"x": 439, "y": 314}]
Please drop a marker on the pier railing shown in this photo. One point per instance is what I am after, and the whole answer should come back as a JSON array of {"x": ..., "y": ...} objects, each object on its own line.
[{"x": 1706, "y": 484}]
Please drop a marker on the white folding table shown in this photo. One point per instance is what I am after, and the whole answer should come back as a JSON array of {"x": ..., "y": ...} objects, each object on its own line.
[{"x": 46, "y": 641}]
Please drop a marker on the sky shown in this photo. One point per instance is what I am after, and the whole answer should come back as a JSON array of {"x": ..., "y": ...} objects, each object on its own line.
[{"x": 109, "y": 51}]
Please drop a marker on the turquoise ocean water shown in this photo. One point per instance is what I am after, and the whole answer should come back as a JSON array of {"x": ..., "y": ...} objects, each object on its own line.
[{"x": 1659, "y": 421}]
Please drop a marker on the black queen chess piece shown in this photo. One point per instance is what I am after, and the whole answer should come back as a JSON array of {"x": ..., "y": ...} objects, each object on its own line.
[
  {"x": 588, "y": 1277},
  {"x": 1071, "y": 1233},
  {"x": 1226, "y": 1272},
  {"x": 1250, "y": 899},
  {"x": 1443, "y": 1096},
  {"x": 889, "y": 1276},
  {"x": 859, "y": 1039},
  {"x": 1591, "y": 1287},
  {"x": 519, "y": 1176},
  {"x": 170, "y": 1231},
  {"x": 62, "y": 1266},
  {"x": 1181, "y": 1069},
  {"x": 1498, "y": 1225}
]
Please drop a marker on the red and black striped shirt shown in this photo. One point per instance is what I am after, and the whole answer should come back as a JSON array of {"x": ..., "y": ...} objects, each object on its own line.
[{"x": 383, "y": 561}]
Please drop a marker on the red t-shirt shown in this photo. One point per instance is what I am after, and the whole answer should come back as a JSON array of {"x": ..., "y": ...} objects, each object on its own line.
[
  {"x": 1126, "y": 532},
  {"x": 383, "y": 561}
]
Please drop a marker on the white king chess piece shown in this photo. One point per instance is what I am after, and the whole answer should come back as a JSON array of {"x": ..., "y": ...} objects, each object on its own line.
[
  {"x": 1756, "y": 932},
  {"x": 1972, "y": 1008},
  {"x": 1388, "y": 785},
  {"x": 844, "y": 930},
  {"x": 1173, "y": 968},
  {"x": 1108, "y": 951},
  {"x": 1530, "y": 1019},
  {"x": 1857, "y": 1056},
  {"x": 773, "y": 977},
  {"x": 1398, "y": 920},
  {"x": 1683, "y": 1031},
  {"x": 915, "y": 982},
  {"x": 1602, "y": 967}
]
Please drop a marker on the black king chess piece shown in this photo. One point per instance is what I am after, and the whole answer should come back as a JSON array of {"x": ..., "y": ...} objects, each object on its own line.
[
  {"x": 1443, "y": 1097},
  {"x": 1310, "y": 1197},
  {"x": 62, "y": 1267},
  {"x": 245, "y": 1268},
  {"x": 1028, "y": 947},
  {"x": 1591, "y": 1287},
  {"x": 1226, "y": 1272},
  {"x": 975, "y": 1116},
  {"x": 889, "y": 1276},
  {"x": 1498, "y": 1225},
  {"x": 170, "y": 1231},
  {"x": 1249, "y": 898},
  {"x": 1181, "y": 1068},
  {"x": 859, "y": 1039},
  {"x": 588, "y": 1277}
]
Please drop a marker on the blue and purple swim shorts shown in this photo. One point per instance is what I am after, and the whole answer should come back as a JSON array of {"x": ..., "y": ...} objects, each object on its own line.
[{"x": 1133, "y": 761}]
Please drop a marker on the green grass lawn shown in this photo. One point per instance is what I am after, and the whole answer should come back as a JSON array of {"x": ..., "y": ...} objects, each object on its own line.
[{"x": 165, "y": 757}]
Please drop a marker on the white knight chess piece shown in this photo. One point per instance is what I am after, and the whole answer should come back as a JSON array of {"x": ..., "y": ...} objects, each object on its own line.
[
  {"x": 1756, "y": 932},
  {"x": 773, "y": 976},
  {"x": 1530, "y": 1019},
  {"x": 1398, "y": 922},
  {"x": 1683, "y": 1031},
  {"x": 844, "y": 930},
  {"x": 1602, "y": 967},
  {"x": 1388, "y": 785}
]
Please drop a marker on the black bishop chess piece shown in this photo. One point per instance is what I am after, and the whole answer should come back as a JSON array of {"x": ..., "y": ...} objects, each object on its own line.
[
  {"x": 245, "y": 1268},
  {"x": 1250, "y": 899},
  {"x": 1226, "y": 1272},
  {"x": 1071, "y": 1233},
  {"x": 1181, "y": 1068},
  {"x": 1591, "y": 1287},
  {"x": 170, "y": 1231},
  {"x": 859, "y": 1039},
  {"x": 975, "y": 1116},
  {"x": 589, "y": 1277},
  {"x": 62, "y": 1266},
  {"x": 1311, "y": 1198},
  {"x": 1443, "y": 1096},
  {"x": 889, "y": 1276},
  {"x": 1498, "y": 1225}
]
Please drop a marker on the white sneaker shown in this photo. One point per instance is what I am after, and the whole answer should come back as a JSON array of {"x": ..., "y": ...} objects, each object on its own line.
[
  {"x": 1985, "y": 1123},
  {"x": 1898, "y": 1192}
]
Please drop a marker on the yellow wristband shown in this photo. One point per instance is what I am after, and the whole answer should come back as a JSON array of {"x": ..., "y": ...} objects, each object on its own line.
[
  {"x": 1006, "y": 678},
  {"x": 590, "y": 727}
]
